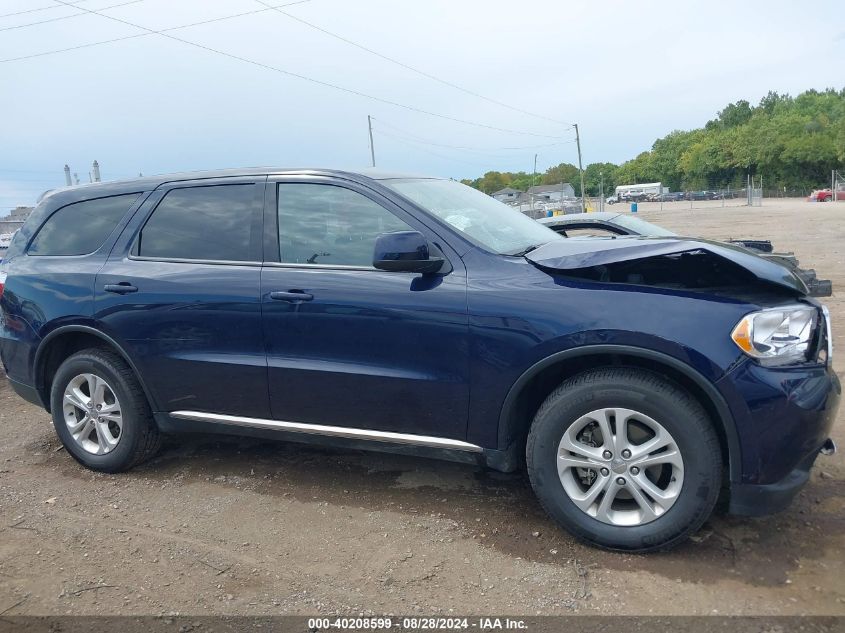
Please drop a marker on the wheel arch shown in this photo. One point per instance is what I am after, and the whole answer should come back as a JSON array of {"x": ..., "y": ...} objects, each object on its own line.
[
  {"x": 67, "y": 340},
  {"x": 536, "y": 383}
]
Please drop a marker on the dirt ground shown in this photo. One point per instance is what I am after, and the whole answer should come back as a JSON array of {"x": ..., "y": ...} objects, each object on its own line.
[{"x": 231, "y": 526}]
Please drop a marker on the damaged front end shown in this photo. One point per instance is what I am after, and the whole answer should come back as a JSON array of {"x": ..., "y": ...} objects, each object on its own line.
[
  {"x": 672, "y": 263},
  {"x": 817, "y": 287}
]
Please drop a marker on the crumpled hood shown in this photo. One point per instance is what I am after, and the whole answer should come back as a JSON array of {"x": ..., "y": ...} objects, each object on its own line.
[{"x": 575, "y": 253}]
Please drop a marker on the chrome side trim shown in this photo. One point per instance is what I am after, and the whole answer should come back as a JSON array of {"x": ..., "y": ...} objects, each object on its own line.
[
  {"x": 321, "y": 266},
  {"x": 333, "y": 431},
  {"x": 180, "y": 260}
]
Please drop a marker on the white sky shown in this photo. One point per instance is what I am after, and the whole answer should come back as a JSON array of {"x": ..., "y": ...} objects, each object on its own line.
[{"x": 627, "y": 72}]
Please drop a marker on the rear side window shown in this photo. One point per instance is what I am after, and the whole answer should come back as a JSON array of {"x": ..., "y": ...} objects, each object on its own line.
[
  {"x": 82, "y": 227},
  {"x": 207, "y": 223}
]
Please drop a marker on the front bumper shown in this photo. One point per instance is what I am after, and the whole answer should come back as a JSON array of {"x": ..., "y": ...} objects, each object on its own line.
[
  {"x": 762, "y": 499},
  {"x": 783, "y": 418}
]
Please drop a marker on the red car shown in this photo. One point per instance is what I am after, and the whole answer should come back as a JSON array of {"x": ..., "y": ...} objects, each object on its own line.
[{"x": 823, "y": 195}]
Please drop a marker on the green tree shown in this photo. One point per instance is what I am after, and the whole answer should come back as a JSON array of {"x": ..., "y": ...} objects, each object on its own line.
[
  {"x": 493, "y": 181},
  {"x": 791, "y": 142},
  {"x": 594, "y": 173},
  {"x": 666, "y": 156},
  {"x": 637, "y": 170},
  {"x": 564, "y": 172},
  {"x": 733, "y": 115},
  {"x": 522, "y": 180}
]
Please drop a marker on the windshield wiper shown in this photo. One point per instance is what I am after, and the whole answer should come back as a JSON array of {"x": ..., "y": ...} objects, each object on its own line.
[{"x": 524, "y": 251}]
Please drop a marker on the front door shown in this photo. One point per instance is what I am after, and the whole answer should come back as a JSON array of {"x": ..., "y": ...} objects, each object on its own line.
[{"x": 349, "y": 345}]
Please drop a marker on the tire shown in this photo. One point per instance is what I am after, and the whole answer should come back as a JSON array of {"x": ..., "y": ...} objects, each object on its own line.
[
  {"x": 632, "y": 522},
  {"x": 126, "y": 434}
]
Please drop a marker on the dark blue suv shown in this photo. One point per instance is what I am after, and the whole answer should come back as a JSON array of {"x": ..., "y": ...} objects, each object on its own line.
[{"x": 638, "y": 380}]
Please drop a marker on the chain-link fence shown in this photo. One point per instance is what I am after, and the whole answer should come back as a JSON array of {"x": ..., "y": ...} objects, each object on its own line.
[
  {"x": 755, "y": 191},
  {"x": 740, "y": 191},
  {"x": 838, "y": 190},
  {"x": 538, "y": 209}
]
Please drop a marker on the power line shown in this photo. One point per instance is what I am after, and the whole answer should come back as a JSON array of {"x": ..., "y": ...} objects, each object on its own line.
[
  {"x": 65, "y": 17},
  {"x": 416, "y": 146},
  {"x": 137, "y": 35},
  {"x": 428, "y": 151},
  {"x": 313, "y": 80},
  {"x": 420, "y": 139},
  {"x": 50, "y": 8},
  {"x": 471, "y": 154},
  {"x": 412, "y": 68}
]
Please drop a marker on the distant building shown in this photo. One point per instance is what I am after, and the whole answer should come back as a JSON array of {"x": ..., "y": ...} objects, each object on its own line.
[
  {"x": 506, "y": 195},
  {"x": 15, "y": 220},
  {"x": 552, "y": 193}
]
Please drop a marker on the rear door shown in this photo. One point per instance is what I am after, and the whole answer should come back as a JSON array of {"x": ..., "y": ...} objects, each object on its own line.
[
  {"x": 52, "y": 265},
  {"x": 180, "y": 291},
  {"x": 349, "y": 345}
]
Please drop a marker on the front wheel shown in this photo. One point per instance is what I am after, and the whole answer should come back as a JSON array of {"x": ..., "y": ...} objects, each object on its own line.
[{"x": 624, "y": 459}]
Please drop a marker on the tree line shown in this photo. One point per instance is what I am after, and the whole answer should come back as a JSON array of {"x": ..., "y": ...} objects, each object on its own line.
[{"x": 793, "y": 142}]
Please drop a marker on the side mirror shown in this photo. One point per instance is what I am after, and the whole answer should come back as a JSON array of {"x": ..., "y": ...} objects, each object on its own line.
[{"x": 406, "y": 252}]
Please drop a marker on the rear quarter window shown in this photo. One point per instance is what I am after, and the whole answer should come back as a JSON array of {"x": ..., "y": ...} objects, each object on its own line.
[{"x": 82, "y": 227}]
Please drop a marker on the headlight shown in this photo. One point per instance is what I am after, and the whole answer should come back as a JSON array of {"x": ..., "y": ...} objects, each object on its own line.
[{"x": 777, "y": 336}]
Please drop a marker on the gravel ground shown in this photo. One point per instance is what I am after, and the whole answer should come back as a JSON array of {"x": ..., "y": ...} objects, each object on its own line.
[{"x": 240, "y": 526}]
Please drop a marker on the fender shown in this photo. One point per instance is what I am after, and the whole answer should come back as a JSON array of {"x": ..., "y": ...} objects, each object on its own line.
[
  {"x": 723, "y": 411},
  {"x": 87, "y": 329}
]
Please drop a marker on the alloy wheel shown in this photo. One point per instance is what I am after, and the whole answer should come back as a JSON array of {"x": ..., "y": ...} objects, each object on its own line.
[
  {"x": 92, "y": 414},
  {"x": 620, "y": 466}
]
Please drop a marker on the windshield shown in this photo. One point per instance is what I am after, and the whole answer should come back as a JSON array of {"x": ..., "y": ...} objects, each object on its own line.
[
  {"x": 487, "y": 222},
  {"x": 641, "y": 227}
]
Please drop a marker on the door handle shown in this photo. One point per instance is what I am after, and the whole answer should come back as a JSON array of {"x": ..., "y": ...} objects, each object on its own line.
[
  {"x": 292, "y": 296},
  {"x": 123, "y": 288}
]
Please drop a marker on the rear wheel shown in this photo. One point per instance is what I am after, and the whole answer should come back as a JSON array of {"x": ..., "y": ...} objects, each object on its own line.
[
  {"x": 100, "y": 412},
  {"x": 624, "y": 459}
]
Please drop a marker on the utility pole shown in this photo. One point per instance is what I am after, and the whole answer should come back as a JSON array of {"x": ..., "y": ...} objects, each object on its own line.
[
  {"x": 562, "y": 192},
  {"x": 580, "y": 169},
  {"x": 601, "y": 191},
  {"x": 372, "y": 147},
  {"x": 533, "y": 183},
  {"x": 748, "y": 189}
]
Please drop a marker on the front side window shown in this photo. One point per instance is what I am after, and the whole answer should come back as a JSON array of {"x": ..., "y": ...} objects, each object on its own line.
[
  {"x": 329, "y": 225},
  {"x": 206, "y": 223},
  {"x": 82, "y": 227}
]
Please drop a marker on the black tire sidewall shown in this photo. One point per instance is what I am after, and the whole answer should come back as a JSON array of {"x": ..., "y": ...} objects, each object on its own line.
[
  {"x": 92, "y": 363},
  {"x": 683, "y": 419}
]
